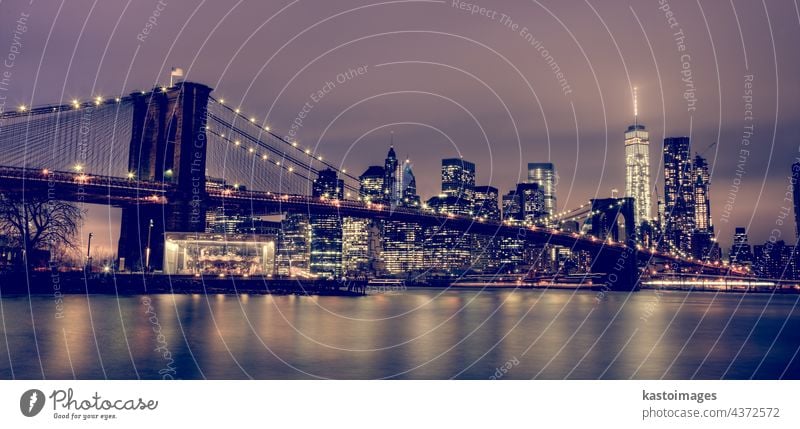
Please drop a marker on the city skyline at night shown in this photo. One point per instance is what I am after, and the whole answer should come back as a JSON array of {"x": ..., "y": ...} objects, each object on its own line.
[{"x": 547, "y": 129}]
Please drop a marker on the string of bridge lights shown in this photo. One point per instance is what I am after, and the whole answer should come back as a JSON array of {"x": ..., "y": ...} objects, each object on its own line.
[
  {"x": 99, "y": 100},
  {"x": 73, "y": 104},
  {"x": 257, "y": 154},
  {"x": 294, "y": 144},
  {"x": 263, "y": 156}
]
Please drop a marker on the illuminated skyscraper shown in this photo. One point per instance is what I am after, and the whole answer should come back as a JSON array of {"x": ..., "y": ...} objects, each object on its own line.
[
  {"x": 403, "y": 240},
  {"x": 391, "y": 182},
  {"x": 532, "y": 202},
  {"x": 458, "y": 179},
  {"x": 679, "y": 192},
  {"x": 402, "y": 247},
  {"x": 371, "y": 189},
  {"x": 704, "y": 244},
  {"x": 544, "y": 175},
  {"x": 326, "y": 245},
  {"x": 328, "y": 185},
  {"x": 356, "y": 239},
  {"x": 485, "y": 204},
  {"x": 399, "y": 185},
  {"x": 702, "y": 201},
  {"x": 741, "y": 252},
  {"x": 408, "y": 186},
  {"x": 486, "y": 249},
  {"x": 326, "y": 229},
  {"x": 294, "y": 246},
  {"x": 637, "y": 166},
  {"x": 446, "y": 249},
  {"x": 512, "y": 210}
]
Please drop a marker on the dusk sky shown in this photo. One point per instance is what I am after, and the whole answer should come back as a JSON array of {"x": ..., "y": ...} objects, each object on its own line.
[{"x": 451, "y": 83}]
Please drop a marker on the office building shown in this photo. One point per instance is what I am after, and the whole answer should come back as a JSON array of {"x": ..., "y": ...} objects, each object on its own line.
[
  {"x": 294, "y": 246},
  {"x": 371, "y": 184},
  {"x": 485, "y": 205},
  {"x": 402, "y": 250},
  {"x": 511, "y": 207},
  {"x": 225, "y": 219},
  {"x": 458, "y": 179},
  {"x": 775, "y": 260},
  {"x": 326, "y": 245},
  {"x": 741, "y": 253},
  {"x": 356, "y": 252},
  {"x": 544, "y": 175},
  {"x": 679, "y": 191},
  {"x": 447, "y": 250},
  {"x": 702, "y": 199},
  {"x": 392, "y": 178},
  {"x": 531, "y": 199},
  {"x": 327, "y": 185},
  {"x": 326, "y": 229}
]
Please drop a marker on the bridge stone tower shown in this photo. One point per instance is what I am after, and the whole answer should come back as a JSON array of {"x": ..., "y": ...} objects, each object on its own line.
[
  {"x": 614, "y": 218},
  {"x": 168, "y": 145}
]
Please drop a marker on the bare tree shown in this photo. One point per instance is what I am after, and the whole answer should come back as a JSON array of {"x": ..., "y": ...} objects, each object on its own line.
[{"x": 37, "y": 222}]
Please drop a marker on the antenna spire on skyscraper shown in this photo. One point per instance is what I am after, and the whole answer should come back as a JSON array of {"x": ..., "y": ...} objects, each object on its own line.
[{"x": 635, "y": 106}]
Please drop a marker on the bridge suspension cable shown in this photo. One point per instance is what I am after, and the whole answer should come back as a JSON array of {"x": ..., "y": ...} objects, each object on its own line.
[{"x": 236, "y": 123}]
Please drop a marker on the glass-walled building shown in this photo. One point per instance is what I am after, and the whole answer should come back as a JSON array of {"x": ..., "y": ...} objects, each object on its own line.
[
  {"x": 544, "y": 175},
  {"x": 219, "y": 254}
]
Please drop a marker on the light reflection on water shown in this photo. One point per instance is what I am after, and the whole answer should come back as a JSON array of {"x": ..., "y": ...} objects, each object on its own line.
[{"x": 429, "y": 334}]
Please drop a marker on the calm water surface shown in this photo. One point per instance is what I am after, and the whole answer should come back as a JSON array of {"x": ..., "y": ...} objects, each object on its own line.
[{"x": 423, "y": 334}]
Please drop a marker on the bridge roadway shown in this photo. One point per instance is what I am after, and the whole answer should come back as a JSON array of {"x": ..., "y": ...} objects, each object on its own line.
[
  {"x": 77, "y": 186},
  {"x": 115, "y": 191}
]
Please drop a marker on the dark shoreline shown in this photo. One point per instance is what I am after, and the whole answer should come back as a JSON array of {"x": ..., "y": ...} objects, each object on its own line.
[{"x": 44, "y": 283}]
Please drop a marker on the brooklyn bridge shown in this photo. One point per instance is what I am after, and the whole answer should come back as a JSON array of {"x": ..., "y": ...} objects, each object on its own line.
[{"x": 158, "y": 155}]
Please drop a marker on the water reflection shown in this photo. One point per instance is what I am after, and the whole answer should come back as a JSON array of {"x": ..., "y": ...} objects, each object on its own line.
[{"x": 427, "y": 334}]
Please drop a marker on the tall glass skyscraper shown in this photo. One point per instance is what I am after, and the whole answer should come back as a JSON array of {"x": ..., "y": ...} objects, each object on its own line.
[
  {"x": 399, "y": 184},
  {"x": 294, "y": 246},
  {"x": 356, "y": 235},
  {"x": 637, "y": 166},
  {"x": 402, "y": 247},
  {"x": 458, "y": 179},
  {"x": 678, "y": 193},
  {"x": 392, "y": 181},
  {"x": 531, "y": 201},
  {"x": 702, "y": 200},
  {"x": 741, "y": 252},
  {"x": 485, "y": 204},
  {"x": 544, "y": 175},
  {"x": 401, "y": 240},
  {"x": 326, "y": 229},
  {"x": 511, "y": 206}
]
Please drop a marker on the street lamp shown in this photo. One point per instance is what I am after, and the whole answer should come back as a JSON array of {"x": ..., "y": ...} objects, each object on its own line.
[
  {"x": 88, "y": 252},
  {"x": 147, "y": 250}
]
